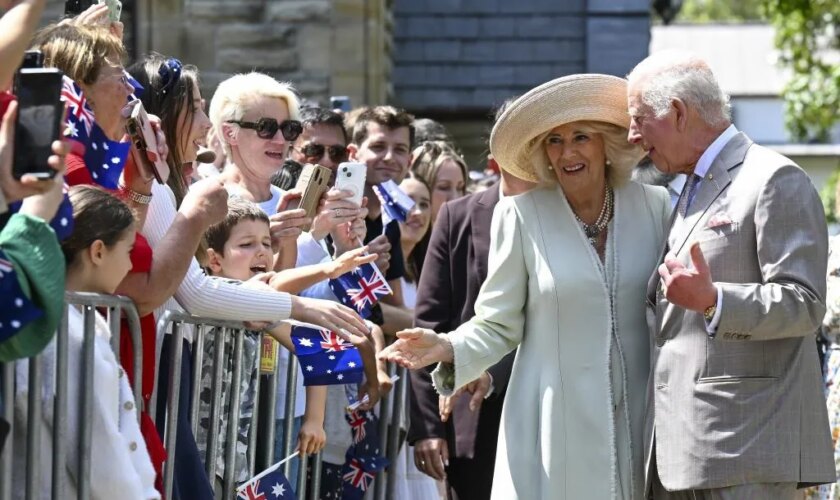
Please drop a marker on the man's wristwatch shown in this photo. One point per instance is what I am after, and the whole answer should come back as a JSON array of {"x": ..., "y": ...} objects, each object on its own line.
[{"x": 709, "y": 313}]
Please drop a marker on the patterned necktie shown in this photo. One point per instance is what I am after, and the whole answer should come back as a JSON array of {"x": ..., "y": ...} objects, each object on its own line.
[{"x": 685, "y": 197}]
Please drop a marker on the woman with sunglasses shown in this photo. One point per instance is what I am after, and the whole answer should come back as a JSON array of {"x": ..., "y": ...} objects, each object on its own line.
[{"x": 172, "y": 92}]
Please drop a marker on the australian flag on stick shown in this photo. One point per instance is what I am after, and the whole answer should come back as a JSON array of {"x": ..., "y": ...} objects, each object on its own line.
[
  {"x": 103, "y": 157},
  {"x": 270, "y": 484},
  {"x": 396, "y": 205},
  {"x": 362, "y": 460},
  {"x": 361, "y": 288},
  {"x": 325, "y": 358}
]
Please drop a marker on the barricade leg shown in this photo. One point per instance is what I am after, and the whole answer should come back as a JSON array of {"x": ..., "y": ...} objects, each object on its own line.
[
  {"x": 268, "y": 458},
  {"x": 316, "y": 476},
  {"x": 232, "y": 437},
  {"x": 172, "y": 407},
  {"x": 86, "y": 390},
  {"x": 216, "y": 406},
  {"x": 380, "y": 483},
  {"x": 195, "y": 381},
  {"x": 291, "y": 395},
  {"x": 8, "y": 395},
  {"x": 393, "y": 449},
  {"x": 59, "y": 470},
  {"x": 304, "y": 467},
  {"x": 255, "y": 413}
]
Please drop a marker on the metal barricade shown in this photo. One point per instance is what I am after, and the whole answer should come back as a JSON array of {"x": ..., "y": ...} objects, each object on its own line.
[
  {"x": 392, "y": 407},
  {"x": 223, "y": 330},
  {"x": 115, "y": 306}
]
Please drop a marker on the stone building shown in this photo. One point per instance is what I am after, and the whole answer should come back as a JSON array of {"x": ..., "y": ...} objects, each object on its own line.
[{"x": 453, "y": 60}]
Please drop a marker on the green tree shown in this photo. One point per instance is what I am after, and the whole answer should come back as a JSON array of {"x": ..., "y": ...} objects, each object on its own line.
[
  {"x": 715, "y": 11},
  {"x": 808, "y": 40}
]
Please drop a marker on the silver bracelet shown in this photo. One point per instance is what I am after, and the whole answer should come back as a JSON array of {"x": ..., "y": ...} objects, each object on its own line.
[{"x": 132, "y": 195}]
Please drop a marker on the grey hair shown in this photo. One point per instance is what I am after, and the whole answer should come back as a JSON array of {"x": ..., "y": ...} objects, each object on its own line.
[
  {"x": 622, "y": 155},
  {"x": 674, "y": 74}
]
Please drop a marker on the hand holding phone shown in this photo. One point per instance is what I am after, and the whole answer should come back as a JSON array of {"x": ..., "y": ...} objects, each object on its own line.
[
  {"x": 143, "y": 138},
  {"x": 351, "y": 176},
  {"x": 312, "y": 184},
  {"x": 40, "y": 114}
]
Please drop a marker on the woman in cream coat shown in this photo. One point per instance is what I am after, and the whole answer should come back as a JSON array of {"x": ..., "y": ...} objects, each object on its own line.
[{"x": 568, "y": 268}]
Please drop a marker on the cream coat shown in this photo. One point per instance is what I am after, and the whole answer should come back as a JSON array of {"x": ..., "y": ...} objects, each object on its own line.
[{"x": 573, "y": 418}]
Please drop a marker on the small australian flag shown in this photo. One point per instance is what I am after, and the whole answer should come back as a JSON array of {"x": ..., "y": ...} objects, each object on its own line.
[
  {"x": 396, "y": 205},
  {"x": 269, "y": 484},
  {"x": 325, "y": 358},
  {"x": 361, "y": 288},
  {"x": 16, "y": 310},
  {"x": 358, "y": 473},
  {"x": 62, "y": 221}
]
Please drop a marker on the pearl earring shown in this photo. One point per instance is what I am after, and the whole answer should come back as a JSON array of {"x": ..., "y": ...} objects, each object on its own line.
[
  {"x": 550, "y": 167},
  {"x": 608, "y": 163}
]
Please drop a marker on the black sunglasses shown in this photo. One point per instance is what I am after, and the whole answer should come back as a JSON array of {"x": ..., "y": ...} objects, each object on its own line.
[
  {"x": 314, "y": 152},
  {"x": 267, "y": 128}
]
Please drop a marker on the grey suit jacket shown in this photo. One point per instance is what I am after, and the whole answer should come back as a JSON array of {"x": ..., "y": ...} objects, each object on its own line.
[{"x": 747, "y": 405}]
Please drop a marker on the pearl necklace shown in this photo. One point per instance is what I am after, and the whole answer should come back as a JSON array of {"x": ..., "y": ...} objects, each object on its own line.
[{"x": 592, "y": 231}]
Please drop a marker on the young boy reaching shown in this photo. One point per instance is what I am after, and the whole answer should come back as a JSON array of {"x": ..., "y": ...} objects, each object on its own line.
[{"x": 239, "y": 248}]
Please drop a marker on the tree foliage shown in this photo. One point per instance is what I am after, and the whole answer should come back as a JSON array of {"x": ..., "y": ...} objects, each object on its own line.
[
  {"x": 715, "y": 11},
  {"x": 808, "y": 40}
]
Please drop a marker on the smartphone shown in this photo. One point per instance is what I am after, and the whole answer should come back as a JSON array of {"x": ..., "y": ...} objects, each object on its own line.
[
  {"x": 38, "y": 122},
  {"x": 351, "y": 176},
  {"x": 114, "y": 9},
  {"x": 76, "y": 7},
  {"x": 312, "y": 183},
  {"x": 341, "y": 102},
  {"x": 143, "y": 137}
]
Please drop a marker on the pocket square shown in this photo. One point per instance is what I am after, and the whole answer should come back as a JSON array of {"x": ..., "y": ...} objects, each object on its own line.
[{"x": 717, "y": 220}]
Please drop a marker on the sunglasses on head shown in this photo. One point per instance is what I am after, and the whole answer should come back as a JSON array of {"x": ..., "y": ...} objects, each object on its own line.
[
  {"x": 314, "y": 152},
  {"x": 267, "y": 128}
]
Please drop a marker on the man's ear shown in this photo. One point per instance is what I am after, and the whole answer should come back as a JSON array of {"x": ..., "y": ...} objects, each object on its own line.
[
  {"x": 681, "y": 116},
  {"x": 352, "y": 151},
  {"x": 214, "y": 262},
  {"x": 96, "y": 252}
]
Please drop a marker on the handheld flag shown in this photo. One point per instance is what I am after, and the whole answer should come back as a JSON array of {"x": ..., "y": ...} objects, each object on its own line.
[
  {"x": 325, "y": 358},
  {"x": 269, "y": 484},
  {"x": 396, "y": 205},
  {"x": 358, "y": 474},
  {"x": 361, "y": 288}
]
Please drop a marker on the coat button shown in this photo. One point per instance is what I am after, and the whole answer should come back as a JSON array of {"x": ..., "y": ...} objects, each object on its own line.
[
  {"x": 133, "y": 446},
  {"x": 122, "y": 372},
  {"x": 128, "y": 406}
]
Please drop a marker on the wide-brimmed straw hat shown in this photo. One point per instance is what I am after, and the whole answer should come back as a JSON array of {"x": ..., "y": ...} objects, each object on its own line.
[{"x": 590, "y": 97}]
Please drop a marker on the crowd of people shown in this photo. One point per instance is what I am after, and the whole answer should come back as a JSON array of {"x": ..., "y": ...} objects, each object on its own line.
[{"x": 580, "y": 325}]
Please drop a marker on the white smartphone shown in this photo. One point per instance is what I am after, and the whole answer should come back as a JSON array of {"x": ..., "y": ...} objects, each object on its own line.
[{"x": 351, "y": 176}]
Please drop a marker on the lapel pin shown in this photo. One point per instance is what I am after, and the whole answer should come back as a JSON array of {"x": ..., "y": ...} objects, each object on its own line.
[{"x": 711, "y": 176}]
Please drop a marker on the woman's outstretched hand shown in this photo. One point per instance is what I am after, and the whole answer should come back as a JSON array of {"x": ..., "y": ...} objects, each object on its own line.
[{"x": 418, "y": 347}]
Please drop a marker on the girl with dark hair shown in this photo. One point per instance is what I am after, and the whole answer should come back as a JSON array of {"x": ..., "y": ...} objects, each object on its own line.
[{"x": 98, "y": 257}]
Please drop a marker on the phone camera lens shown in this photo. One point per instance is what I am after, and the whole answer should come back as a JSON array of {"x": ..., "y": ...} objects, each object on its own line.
[{"x": 348, "y": 174}]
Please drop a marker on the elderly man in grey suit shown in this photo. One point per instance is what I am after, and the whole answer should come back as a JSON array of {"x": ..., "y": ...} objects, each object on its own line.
[{"x": 735, "y": 403}]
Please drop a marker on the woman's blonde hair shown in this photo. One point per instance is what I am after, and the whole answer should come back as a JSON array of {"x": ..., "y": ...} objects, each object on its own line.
[
  {"x": 236, "y": 95},
  {"x": 79, "y": 51},
  {"x": 427, "y": 158},
  {"x": 621, "y": 155}
]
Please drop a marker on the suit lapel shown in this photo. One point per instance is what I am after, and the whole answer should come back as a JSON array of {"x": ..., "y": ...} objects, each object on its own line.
[
  {"x": 480, "y": 219},
  {"x": 716, "y": 180}
]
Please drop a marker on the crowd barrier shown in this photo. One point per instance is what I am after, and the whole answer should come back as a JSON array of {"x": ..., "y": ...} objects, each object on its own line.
[
  {"x": 260, "y": 451},
  {"x": 114, "y": 306}
]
